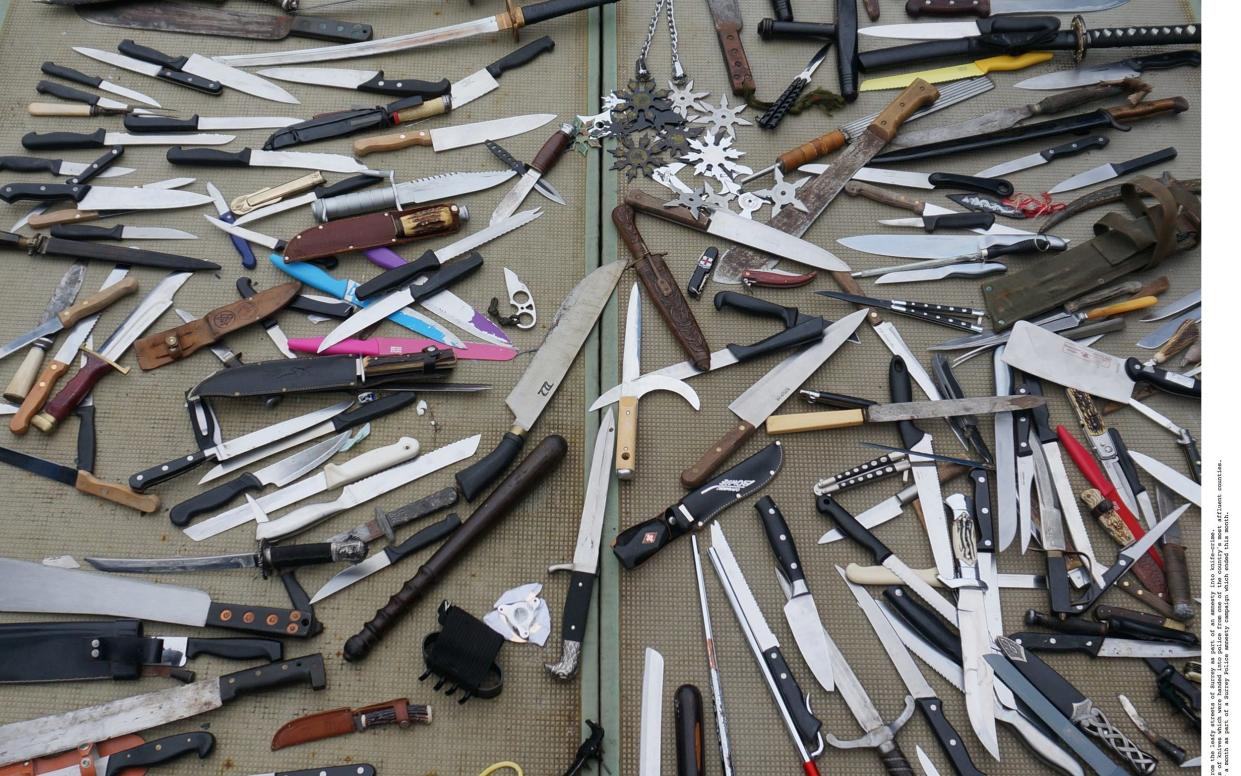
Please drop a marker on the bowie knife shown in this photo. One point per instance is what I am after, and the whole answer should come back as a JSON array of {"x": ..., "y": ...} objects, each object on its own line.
[
  {"x": 539, "y": 166},
  {"x": 329, "y": 205},
  {"x": 55, "y": 733},
  {"x": 267, "y": 560},
  {"x": 277, "y": 199},
  {"x": 388, "y": 556},
  {"x": 77, "y": 77},
  {"x": 195, "y": 71},
  {"x": 534, "y": 389},
  {"x": 448, "y": 138},
  {"x": 1113, "y": 71},
  {"x": 765, "y": 396},
  {"x": 197, "y": 19},
  {"x": 800, "y": 611}
]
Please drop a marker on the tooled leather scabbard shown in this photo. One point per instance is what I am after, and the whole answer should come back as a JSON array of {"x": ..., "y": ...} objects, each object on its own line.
[
  {"x": 175, "y": 344},
  {"x": 372, "y": 230},
  {"x": 338, "y": 722},
  {"x": 662, "y": 287}
]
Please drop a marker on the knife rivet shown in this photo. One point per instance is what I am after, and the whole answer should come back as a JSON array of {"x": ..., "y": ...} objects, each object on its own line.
[
  {"x": 226, "y": 615},
  {"x": 272, "y": 619},
  {"x": 94, "y": 643},
  {"x": 247, "y": 617},
  {"x": 94, "y": 653}
]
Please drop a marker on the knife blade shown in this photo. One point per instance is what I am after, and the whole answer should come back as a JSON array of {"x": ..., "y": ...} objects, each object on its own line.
[
  {"x": 149, "y": 61},
  {"x": 1171, "y": 478},
  {"x": 53, "y": 141},
  {"x": 1098, "y": 646},
  {"x": 197, "y": 19},
  {"x": 75, "y": 76},
  {"x": 267, "y": 559},
  {"x": 993, "y": 8},
  {"x": 1112, "y": 71},
  {"x": 447, "y": 138},
  {"x": 56, "y": 167},
  {"x": 978, "y": 67},
  {"x": 145, "y": 755},
  {"x": 1106, "y": 172},
  {"x": 900, "y": 412},
  {"x": 328, "y": 205},
  {"x": 934, "y": 180},
  {"x": 63, "y": 296},
  {"x": 388, "y": 556},
  {"x": 651, "y": 720},
  {"x": 1187, "y": 302},
  {"x": 71, "y": 315},
  {"x": 118, "y": 232},
  {"x": 145, "y": 122},
  {"x": 250, "y": 157},
  {"x": 91, "y": 197},
  {"x": 1045, "y": 156},
  {"x": 944, "y": 246}
]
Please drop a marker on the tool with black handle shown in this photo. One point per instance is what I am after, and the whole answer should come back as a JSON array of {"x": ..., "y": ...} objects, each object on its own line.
[
  {"x": 689, "y": 732},
  {"x": 847, "y": 57}
]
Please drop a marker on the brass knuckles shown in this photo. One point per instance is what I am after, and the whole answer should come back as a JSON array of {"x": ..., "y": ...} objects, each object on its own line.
[{"x": 273, "y": 194}]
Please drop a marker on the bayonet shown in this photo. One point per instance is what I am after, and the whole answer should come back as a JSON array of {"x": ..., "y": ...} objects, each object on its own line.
[
  {"x": 388, "y": 556},
  {"x": 194, "y": 71},
  {"x": 584, "y": 566}
]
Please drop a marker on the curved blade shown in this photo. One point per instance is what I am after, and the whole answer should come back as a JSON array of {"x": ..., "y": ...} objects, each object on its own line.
[
  {"x": 352, "y": 574},
  {"x": 653, "y": 382}
]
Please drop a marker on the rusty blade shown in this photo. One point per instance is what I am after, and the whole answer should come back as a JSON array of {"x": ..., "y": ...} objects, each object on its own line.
[{"x": 197, "y": 18}]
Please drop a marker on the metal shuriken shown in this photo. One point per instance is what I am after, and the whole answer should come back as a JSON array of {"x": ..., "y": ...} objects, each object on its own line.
[
  {"x": 717, "y": 200},
  {"x": 783, "y": 193},
  {"x": 683, "y": 98},
  {"x": 635, "y": 157},
  {"x": 642, "y": 100},
  {"x": 750, "y": 203},
  {"x": 612, "y": 102},
  {"x": 722, "y": 118},
  {"x": 676, "y": 139},
  {"x": 666, "y": 176},
  {"x": 715, "y": 157},
  {"x": 694, "y": 201}
]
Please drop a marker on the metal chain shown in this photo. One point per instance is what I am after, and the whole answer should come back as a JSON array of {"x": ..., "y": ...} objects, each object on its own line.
[
  {"x": 678, "y": 72},
  {"x": 641, "y": 70}
]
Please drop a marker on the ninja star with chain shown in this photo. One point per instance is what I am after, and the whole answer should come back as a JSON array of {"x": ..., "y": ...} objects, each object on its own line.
[{"x": 684, "y": 98}]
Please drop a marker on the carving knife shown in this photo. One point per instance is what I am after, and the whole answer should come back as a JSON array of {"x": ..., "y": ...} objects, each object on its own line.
[
  {"x": 651, "y": 722},
  {"x": 386, "y": 557},
  {"x": 197, "y": 19},
  {"x": 1112, "y": 71},
  {"x": 56, "y": 167},
  {"x": 583, "y": 569},
  {"x": 87, "y": 196},
  {"x": 268, "y": 559},
  {"x": 152, "y": 123},
  {"x": 1097, "y": 646},
  {"x": 195, "y": 71},
  {"x": 39, "y": 218},
  {"x": 54, "y": 141},
  {"x": 26, "y": 740},
  {"x": 799, "y": 611},
  {"x": 1169, "y": 477},
  {"x": 900, "y": 412},
  {"x": 757, "y": 402},
  {"x": 448, "y": 138},
  {"x": 251, "y": 157},
  {"x": 77, "y": 77}
]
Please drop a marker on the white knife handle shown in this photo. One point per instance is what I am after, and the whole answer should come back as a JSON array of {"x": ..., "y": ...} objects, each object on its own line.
[
  {"x": 300, "y": 519},
  {"x": 878, "y": 575},
  {"x": 370, "y": 462}
]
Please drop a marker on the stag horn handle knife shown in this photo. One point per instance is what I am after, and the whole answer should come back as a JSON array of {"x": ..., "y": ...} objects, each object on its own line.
[
  {"x": 339, "y": 722},
  {"x": 374, "y": 229},
  {"x": 165, "y": 347},
  {"x": 541, "y": 461},
  {"x": 663, "y": 289}
]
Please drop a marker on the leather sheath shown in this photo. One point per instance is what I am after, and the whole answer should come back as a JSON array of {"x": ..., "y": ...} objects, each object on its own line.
[
  {"x": 87, "y": 752},
  {"x": 1120, "y": 246},
  {"x": 62, "y": 651},
  {"x": 157, "y": 350},
  {"x": 373, "y": 230},
  {"x": 339, "y": 722},
  {"x": 324, "y": 373}
]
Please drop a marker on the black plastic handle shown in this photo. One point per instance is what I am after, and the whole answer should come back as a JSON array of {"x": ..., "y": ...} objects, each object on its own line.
[
  {"x": 164, "y": 472},
  {"x": 847, "y": 63},
  {"x": 475, "y": 479},
  {"x": 948, "y": 180},
  {"x": 398, "y": 277},
  {"x": 373, "y": 410},
  {"x": 446, "y": 275},
  {"x": 160, "y": 751},
  {"x": 86, "y": 447},
  {"x": 969, "y": 220},
  {"x": 900, "y": 389},
  {"x": 1078, "y": 626},
  {"x": 30, "y": 164},
  {"x": 53, "y": 141},
  {"x": 983, "y": 513},
  {"x": 424, "y": 538},
  {"x": 781, "y": 539},
  {"x": 1142, "y": 162},
  {"x": 307, "y": 669},
  {"x": 97, "y": 167},
  {"x": 522, "y": 56},
  {"x": 1038, "y": 244},
  {"x": 291, "y": 556},
  {"x": 691, "y": 742},
  {"x": 147, "y": 54},
  {"x": 1127, "y": 627},
  {"x": 1193, "y": 456},
  {"x": 66, "y": 92},
  {"x": 321, "y": 28},
  {"x": 1075, "y": 147},
  {"x": 42, "y": 192},
  {"x": 346, "y": 186},
  {"x": 925, "y": 621},
  {"x": 188, "y": 80},
  {"x": 1164, "y": 380},
  {"x": 746, "y": 303},
  {"x": 770, "y": 29},
  {"x": 353, "y": 769},
  {"x": 1127, "y": 466},
  {"x": 807, "y": 724},
  {"x": 550, "y": 9},
  {"x": 577, "y": 606},
  {"x": 405, "y": 87},
  {"x": 208, "y": 157},
  {"x": 950, "y": 741},
  {"x": 77, "y": 76},
  {"x": 1166, "y": 61},
  {"x": 235, "y": 649},
  {"x": 848, "y": 525},
  {"x": 806, "y": 331},
  {"x": 153, "y": 123},
  {"x": 840, "y": 400},
  {"x": 1059, "y": 642},
  {"x": 86, "y": 232},
  {"x": 208, "y": 500}
]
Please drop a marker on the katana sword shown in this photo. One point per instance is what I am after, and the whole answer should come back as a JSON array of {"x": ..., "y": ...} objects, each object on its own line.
[{"x": 583, "y": 569}]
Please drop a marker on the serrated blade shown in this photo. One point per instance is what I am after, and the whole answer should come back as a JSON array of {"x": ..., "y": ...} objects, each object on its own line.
[
  {"x": 904, "y": 663},
  {"x": 447, "y": 138}
]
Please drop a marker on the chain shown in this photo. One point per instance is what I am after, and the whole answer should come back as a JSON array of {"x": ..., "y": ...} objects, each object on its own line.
[
  {"x": 642, "y": 72},
  {"x": 678, "y": 72}
]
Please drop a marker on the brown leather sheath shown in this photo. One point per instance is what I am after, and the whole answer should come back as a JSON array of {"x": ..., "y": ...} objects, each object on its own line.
[
  {"x": 87, "y": 753},
  {"x": 374, "y": 230},
  {"x": 338, "y": 722},
  {"x": 175, "y": 344},
  {"x": 664, "y": 290}
]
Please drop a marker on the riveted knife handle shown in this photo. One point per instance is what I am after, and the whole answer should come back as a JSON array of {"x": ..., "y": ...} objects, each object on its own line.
[
  {"x": 645, "y": 203},
  {"x": 69, "y": 397},
  {"x": 320, "y": 28},
  {"x": 522, "y": 56},
  {"x": 950, "y": 741},
  {"x": 947, "y": 180},
  {"x": 160, "y": 751},
  {"x": 52, "y": 141},
  {"x": 1073, "y": 148},
  {"x": 885, "y": 197},
  {"x": 577, "y": 606},
  {"x": 1060, "y": 642},
  {"x": 900, "y": 387},
  {"x": 917, "y": 95},
  {"x": 1076, "y": 626},
  {"x": 1149, "y": 108},
  {"x": 969, "y": 220},
  {"x": 153, "y": 123},
  {"x": 208, "y": 500},
  {"x": 117, "y": 494},
  {"x": 711, "y": 460},
  {"x": 475, "y": 478},
  {"x": 789, "y": 316},
  {"x": 1163, "y": 379},
  {"x": 735, "y": 60},
  {"x": 781, "y": 540},
  {"x": 235, "y": 648},
  {"x": 848, "y": 525},
  {"x": 847, "y": 48},
  {"x": 981, "y": 479},
  {"x": 925, "y": 621},
  {"x": 807, "y": 724},
  {"x": 42, "y": 192},
  {"x": 147, "y": 54},
  {"x": 207, "y": 157},
  {"x": 533, "y": 470},
  {"x": 687, "y": 711},
  {"x": 405, "y": 87},
  {"x": 37, "y": 397},
  {"x": 806, "y": 331},
  {"x": 164, "y": 472},
  {"x": 307, "y": 669},
  {"x": 66, "y": 93}
]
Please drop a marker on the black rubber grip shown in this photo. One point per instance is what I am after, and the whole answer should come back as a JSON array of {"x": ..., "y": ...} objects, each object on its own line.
[
  {"x": 97, "y": 167},
  {"x": 307, "y": 669},
  {"x": 950, "y": 741},
  {"x": 235, "y": 649},
  {"x": 373, "y": 410},
  {"x": 405, "y": 87},
  {"x": 69, "y": 74},
  {"x": 346, "y": 186},
  {"x": 769, "y": 29},
  {"x": 848, "y": 525},
  {"x": 772, "y": 117},
  {"x": 1037, "y": 244},
  {"x": 807, "y": 724},
  {"x": 160, "y": 751},
  {"x": 806, "y": 331},
  {"x": 147, "y": 54},
  {"x": 958, "y": 221},
  {"x": 398, "y": 277},
  {"x": 1059, "y": 642},
  {"x": 1165, "y": 61},
  {"x": 847, "y": 49},
  {"x": 1142, "y": 162},
  {"x": 783, "y": 10},
  {"x": 789, "y": 316},
  {"x": 926, "y": 622},
  {"x": 476, "y": 478},
  {"x": 42, "y": 192},
  {"x": 86, "y": 232},
  {"x": 947, "y": 180},
  {"x": 208, "y": 157},
  {"x": 577, "y": 606},
  {"x": 291, "y": 556},
  {"x": 550, "y": 9},
  {"x": 30, "y": 164},
  {"x": 900, "y": 389},
  {"x": 781, "y": 539},
  {"x": 164, "y": 472},
  {"x": 216, "y": 497},
  {"x": 52, "y": 141},
  {"x": 66, "y": 92},
  {"x": 691, "y": 744},
  {"x": 522, "y": 56},
  {"x": 1074, "y": 625},
  {"x": 153, "y": 123}
]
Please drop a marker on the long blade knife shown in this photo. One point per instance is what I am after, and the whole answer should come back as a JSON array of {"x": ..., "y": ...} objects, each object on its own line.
[
  {"x": 448, "y": 138},
  {"x": 1169, "y": 477},
  {"x": 983, "y": 9},
  {"x": 56, "y": 167},
  {"x": 77, "y": 77},
  {"x": 72, "y": 315},
  {"x": 90, "y": 197},
  {"x": 252, "y": 157},
  {"x": 1112, "y": 71},
  {"x": 197, "y": 19},
  {"x": 100, "y": 138},
  {"x": 979, "y": 67},
  {"x": 197, "y": 72}
]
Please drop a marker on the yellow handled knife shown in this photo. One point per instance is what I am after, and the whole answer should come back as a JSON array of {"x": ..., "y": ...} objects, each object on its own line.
[{"x": 958, "y": 72}]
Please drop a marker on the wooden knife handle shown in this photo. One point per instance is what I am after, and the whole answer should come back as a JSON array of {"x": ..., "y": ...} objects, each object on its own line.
[
  {"x": 916, "y": 95},
  {"x": 711, "y": 460},
  {"x": 1062, "y": 101},
  {"x": 795, "y": 422},
  {"x": 735, "y": 60},
  {"x": 72, "y": 394},
  {"x": 626, "y": 225},
  {"x": 553, "y": 149},
  {"x": 1180, "y": 590},
  {"x": 884, "y": 196},
  {"x": 1149, "y": 108},
  {"x": 117, "y": 494},
  {"x": 815, "y": 149},
  {"x": 393, "y": 142},
  {"x": 523, "y": 479},
  {"x": 916, "y": 8},
  {"x": 37, "y": 396},
  {"x": 60, "y": 109},
  {"x": 1154, "y": 288},
  {"x": 97, "y": 302},
  {"x": 664, "y": 291},
  {"x": 645, "y": 203},
  {"x": 67, "y": 215},
  {"x": 1127, "y": 306}
]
